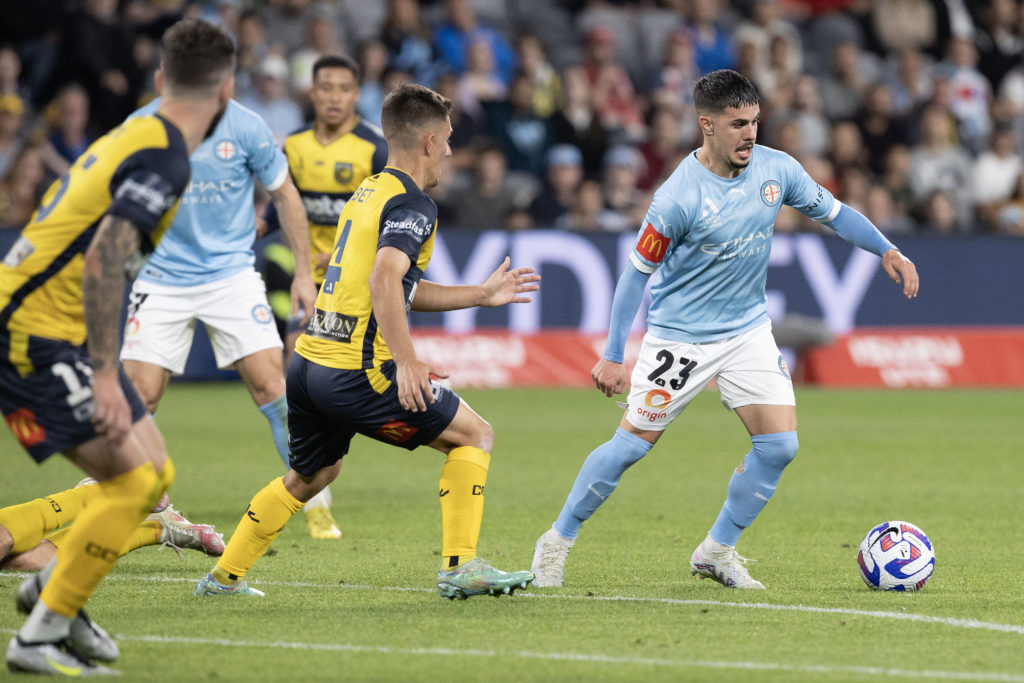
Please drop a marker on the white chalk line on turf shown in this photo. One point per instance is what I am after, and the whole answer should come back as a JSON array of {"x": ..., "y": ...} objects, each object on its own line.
[
  {"x": 581, "y": 657},
  {"x": 954, "y": 622}
]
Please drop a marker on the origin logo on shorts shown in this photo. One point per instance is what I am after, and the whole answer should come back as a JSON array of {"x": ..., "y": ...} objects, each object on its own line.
[
  {"x": 658, "y": 399},
  {"x": 333, "y": 326}
]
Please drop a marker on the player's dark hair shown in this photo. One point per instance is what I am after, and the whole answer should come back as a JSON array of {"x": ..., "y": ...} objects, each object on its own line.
[
  {"x": 338, "y": 62},
  {"x": 196, "y": 55},
  {"x": 718, "y": 90},
  {"x": 407, "y": 110}
]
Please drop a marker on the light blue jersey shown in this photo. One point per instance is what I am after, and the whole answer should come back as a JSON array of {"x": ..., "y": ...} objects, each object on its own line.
[
  {"x": 212, "y": 234},
  {"x": 709, "y": 238}
]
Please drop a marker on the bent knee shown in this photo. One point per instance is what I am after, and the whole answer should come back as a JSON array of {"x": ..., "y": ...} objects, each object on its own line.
[{"x": 777, "y": 449}]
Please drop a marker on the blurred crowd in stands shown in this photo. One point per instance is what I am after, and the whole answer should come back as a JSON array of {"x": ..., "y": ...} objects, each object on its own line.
[{"x": 570, "y": 113}]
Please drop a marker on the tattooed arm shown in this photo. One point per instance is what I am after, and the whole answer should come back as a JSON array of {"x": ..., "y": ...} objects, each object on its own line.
[{"x": 103, "y": 284}]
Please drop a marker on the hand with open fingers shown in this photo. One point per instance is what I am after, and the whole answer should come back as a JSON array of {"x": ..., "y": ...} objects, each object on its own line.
[
  {"x": 609, "y": 377},
  {"x": 504, "y": 286},
  {"x": 414, "y": 389},
  {"x": 113, "y": 415},
  {"x": 901, "y": 269}
]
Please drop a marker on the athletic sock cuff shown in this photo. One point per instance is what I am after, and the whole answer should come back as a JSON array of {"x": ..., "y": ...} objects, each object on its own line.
[
  {"x": 470, "y": 454},
  {"x": 278, "y": 488},
  {"x": 631, "y": 440}
]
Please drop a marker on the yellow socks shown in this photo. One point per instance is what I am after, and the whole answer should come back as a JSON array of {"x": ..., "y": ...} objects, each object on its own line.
[
  {"x": 94, "y": 541},
  {"x": 462, "y": 503},
  {"x": 29, "y": 522},
  {"x": 268, "y": 512}
]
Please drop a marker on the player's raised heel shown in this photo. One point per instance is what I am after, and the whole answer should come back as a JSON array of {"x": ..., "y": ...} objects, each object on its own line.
[
  {"x": 86, "y": 636},
  {"x": 321, "y": 524},
  {"x": 722, "y": 563},
  {"x": 54, "y": 658},
  {"x": 549, "y": 557},
  {"x": 208, "y": 586},
  {"x": 476, "y": 577}
]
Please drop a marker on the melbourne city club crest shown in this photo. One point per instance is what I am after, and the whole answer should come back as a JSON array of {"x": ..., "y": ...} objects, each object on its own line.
[
  {"x": 225, "y": 149},
  {"x": 771, "y": 192}
]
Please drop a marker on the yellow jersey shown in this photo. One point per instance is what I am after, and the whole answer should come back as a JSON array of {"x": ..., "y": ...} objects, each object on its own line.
[
  {"x": 136, "y": 171},
  {"x": 387, "y": 210},
  {"x": 327, "y": 175}
]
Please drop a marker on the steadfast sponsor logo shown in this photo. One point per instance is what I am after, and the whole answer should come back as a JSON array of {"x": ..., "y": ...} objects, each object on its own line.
[
  {"x": 413, "y": 224},
  {"x": 908, "y": 360},
  {"x": 151, "y": 193},
  {"x": 19, "y": 251},
  {"x": 330, "y": 325}
]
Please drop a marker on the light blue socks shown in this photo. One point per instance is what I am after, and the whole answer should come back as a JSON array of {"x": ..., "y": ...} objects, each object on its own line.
[
  {"x": 597, "y": 478},
  {"x": 276, "y": 413},
  {"x": 752, "y": 488}
]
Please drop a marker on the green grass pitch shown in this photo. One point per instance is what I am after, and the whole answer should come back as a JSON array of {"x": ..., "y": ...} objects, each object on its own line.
[{"x": 366, "y": 608}]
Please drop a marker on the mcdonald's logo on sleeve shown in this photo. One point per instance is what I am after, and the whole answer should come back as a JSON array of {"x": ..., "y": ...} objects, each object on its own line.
[{"x": 652, "y": 245}]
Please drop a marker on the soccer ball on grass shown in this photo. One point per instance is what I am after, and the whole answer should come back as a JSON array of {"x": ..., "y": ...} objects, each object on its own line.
[{"x": 896, "y": 556}]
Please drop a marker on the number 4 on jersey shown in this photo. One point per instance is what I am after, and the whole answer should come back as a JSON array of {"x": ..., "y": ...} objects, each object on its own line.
[{"x": 334, "y": 267}]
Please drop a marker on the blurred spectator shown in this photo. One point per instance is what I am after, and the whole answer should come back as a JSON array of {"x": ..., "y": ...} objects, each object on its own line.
[
  {"x": 846, "y": 148},
  {"x": 67, "y": 136},
  {"x": 879, "y": 128},
  {"x": 10, "y": 73},
  {"x": 663, "y": 149},
  {"x": 843, "y": 88},
  {"x": 287, "y": 20},
  {"x": 611, "y": 89},
  {"x": 1010, "y": 216},
  {"x": 910, "y": 24},
  {"x": 252, "y": 50},
  {"x": 271, "y": 100},
  {"x": 460, "y": 27},
  {"x": 998, "y": 39},
  {"x": 623, "y": 166},
  {"x": 564, "y": 175},
  {"x": 714, "y": 46},
  {"x": 909, "y": 82},
  {"x": 98, "y": 53},
  {"x": 408, "y": 41},
  {"x": 466, "y": 127},
  {"x": 578, "y": 124},
  {"x": 12, "y": 113},
  {"x": 34, "y": 30},
  {"x": 523, "y": 135},
  {"x": 22, "y": 188},
  {"x": 938, "y": 165},
  {"x": 886, "y": 214},
  {"x": 994, "y": 174},
  {"x": 321, "y": 39},
  {"x": 587, "y": 212},
  {"x": 547, "y": 85},
  {"x": 940, "y": 215},
  {"x": 807, "y": 110},
  {"x": 492, "y": 196},
  {"x": 672, "y": 82},
  {"x": 373, "y": 58},
  {"x": 896, "y": 178},
  {"x": 854, "y": 185},
  {"x": 766, "y": 24},
  {"x": 970, "y": 93},
  {"x": 480, "y": 83}
]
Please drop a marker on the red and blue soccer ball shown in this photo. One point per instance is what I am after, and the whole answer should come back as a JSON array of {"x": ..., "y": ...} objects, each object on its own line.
[{"x": 896, "y": 556}]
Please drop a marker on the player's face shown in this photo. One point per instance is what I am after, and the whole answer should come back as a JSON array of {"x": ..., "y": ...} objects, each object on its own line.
[
  {"x": 439, "y": 151},
  {"x": 734, "y": 132},
  {"x": 334, "y": 94}
]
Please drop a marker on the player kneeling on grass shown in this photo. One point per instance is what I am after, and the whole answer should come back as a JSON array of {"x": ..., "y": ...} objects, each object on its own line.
[
  {"x": 709, "y": 230},
  {"x": 355, "y": 370},
  {"x": 32, "y": 532}
]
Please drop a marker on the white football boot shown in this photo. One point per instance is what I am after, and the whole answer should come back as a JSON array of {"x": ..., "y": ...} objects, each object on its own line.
[
  {"x": 722, "y": 563},
  {"x": 549, "y": 557}
]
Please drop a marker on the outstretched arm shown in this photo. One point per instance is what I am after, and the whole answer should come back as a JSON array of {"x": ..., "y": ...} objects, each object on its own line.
[
  {"x": 503, "y": 286},
  {"x": 292, "y": 215},
  {"x": 855, "y": 228},
  {"x": 103, "y": 283}
]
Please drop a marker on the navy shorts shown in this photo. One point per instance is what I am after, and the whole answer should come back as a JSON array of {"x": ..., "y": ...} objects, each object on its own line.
[
  {"x": 51, "y": 409},
  {"x": 327, "y": 407}
]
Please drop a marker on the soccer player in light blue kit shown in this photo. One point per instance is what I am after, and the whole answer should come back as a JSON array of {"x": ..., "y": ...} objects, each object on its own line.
[
  {"x": 203, "y": 270},
  {"x": 708, "y": 234}
]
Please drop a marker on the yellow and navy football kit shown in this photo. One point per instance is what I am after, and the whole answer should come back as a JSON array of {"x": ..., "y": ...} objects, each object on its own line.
[
  {"x": 327, "y": 175},
  {"x": 137, "y": 172},
  {"x": 341, "y": 381}
]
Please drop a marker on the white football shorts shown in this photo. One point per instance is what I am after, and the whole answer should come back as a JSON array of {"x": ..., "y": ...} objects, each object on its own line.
[
  {"x": 162, "y": 321},
  {"x": 668, "y": 375}
]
